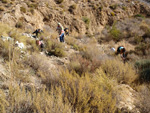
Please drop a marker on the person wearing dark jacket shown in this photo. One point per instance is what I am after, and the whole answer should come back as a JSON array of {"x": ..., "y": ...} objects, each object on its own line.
[{"x": 36, "y": 32}]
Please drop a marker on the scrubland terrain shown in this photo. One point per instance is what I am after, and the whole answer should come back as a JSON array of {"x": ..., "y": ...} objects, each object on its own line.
[{"x": 82, "y": 75}]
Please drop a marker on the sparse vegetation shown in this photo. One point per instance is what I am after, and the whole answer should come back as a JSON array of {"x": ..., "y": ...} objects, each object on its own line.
[
  {"x": 80, "y": 75},
  {"x": 113, "y": 7},
  {"x": 115, "y": 34},
  {"x": 112, "y": 13},
  {"x": 33, "y": 5},
  {"x": 19, "y": 25},
  {"x": 4, "y": 1},
  {"x": 23, "y": 9},
  {"x": 55, "y": 48},
  {"x": 142, "y": 48},
  {"x": 143, "y": 67},
  {"x": 140, "y": 15},
  {"x": 114, "y": 70},
  {"x": 74, "y": 6},
  {"x": 86, "y": 20}
]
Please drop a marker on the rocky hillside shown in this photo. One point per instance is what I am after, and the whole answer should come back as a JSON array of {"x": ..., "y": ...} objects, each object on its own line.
[
  {"x": 82, "y": 75},
  {"x": 84, "y": 16}
]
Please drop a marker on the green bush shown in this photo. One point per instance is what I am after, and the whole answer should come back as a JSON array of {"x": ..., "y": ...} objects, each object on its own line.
[
  {"x": 139, "y": 15},
  {"x": 112, "y": 14},
  {"x": 115, "y": 34},
  {"x": 86, "y": 20}
]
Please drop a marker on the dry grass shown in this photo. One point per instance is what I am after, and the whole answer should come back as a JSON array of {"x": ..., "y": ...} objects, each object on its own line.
[
  {"x": 20, "y": 100},
  {"x": 116, "y": 69},
  {"x": 85, "y": 94},
  {"x": 81, "y": 65},
  {"x": 70, "y": 94}
]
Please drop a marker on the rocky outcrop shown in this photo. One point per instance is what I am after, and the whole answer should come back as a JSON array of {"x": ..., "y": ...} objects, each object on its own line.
[{"x": 127, "y": 99}]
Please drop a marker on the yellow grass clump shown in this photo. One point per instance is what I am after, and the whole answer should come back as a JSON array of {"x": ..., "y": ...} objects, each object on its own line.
[{"x": 116, "y": 69}]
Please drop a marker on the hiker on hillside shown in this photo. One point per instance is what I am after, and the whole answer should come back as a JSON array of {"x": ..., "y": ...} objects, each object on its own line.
[
  {"x": 40, "y": 43},
  {"x": 66, "y": 31},
  {"x": 36, "y": 32},
  {"x": 122, "y": 51},
  {"x": 60, "y": 30}
]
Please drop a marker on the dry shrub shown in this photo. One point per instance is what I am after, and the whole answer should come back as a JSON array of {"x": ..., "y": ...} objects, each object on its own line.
[
  {"x": 18, "y": 70},
  {"x": 81, "y": 65},
  {"x": 19, "y": 25},
  {"x": 71, "y": 41},
  {"x": 33, "y": 46},
  {"x": 91, "y": 52},
  {"x": 4, "y": 29},
  {"x": 5, "y": 48},
  {"x": 86, "y": 94},
  {"x": 12, "y": 32},
  {"x": 40, "y": 62},
  {"x": 43, "y": 66},
  {"x": 55, "y": 48},
  {"x": 142, "y": 48},
  {"x": 20, "y": 100},
  {"x": 142, "y": 64},
  {"x": 54, "y": 36},
  {"x": 71, "y": 94},
  {"x": 116, "y": 69},
  {"x": 3, "y": 102}
]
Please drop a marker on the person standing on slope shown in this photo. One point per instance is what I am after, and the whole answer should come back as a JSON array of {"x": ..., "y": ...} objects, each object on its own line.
[{"x": 60, "y": 30}]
